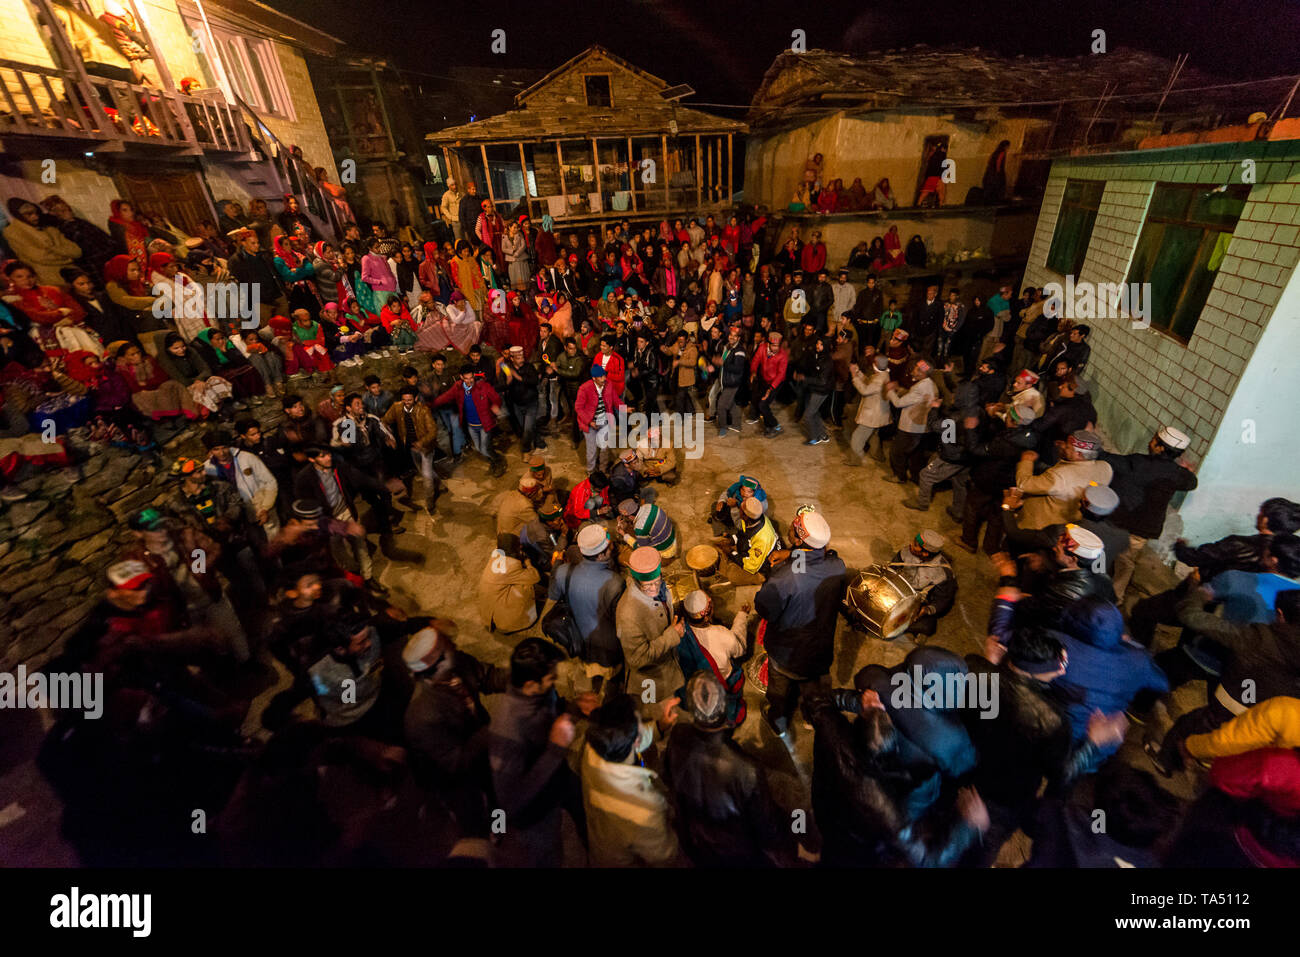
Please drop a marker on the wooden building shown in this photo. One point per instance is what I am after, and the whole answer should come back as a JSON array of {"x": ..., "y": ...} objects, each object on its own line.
[{"x": 597, "y": 138}]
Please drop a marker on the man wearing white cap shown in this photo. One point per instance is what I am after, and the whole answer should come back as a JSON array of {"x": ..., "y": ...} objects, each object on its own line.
[
  {"x": 592, "y": 588},
  {"x": 928, "y": 570},
  {"x": 1146, "y": 483},
  {"x": 715, "y": 648},
  {"x": 444, "y": 719},
  {"x": 1053, "y": 497},
  {"x": 649, "y": 630},
  {"x": 1077, "y": 552},
  {"x": 799, "y": 604},
  {"x": 1099, "y": 502},
  {"x": 517, "y": 383}
]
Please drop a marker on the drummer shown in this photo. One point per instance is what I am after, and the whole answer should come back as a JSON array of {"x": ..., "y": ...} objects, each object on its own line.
[
  {"x": 727, "y": 509},
  {"x": 715, "y": 648},
  {"x": 752, "y": 547},
  {"x": 930, "y": 572},
  {"x": 656, "y": 462}
]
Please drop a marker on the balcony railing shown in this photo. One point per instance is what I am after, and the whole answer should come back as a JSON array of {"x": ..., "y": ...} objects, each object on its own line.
[{"x": 44, "y": 101}]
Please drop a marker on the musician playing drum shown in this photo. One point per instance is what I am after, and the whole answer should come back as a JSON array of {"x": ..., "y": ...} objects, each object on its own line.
[{"x": 928, "y": 570}]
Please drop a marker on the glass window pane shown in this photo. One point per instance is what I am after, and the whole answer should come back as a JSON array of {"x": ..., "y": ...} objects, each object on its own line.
[
  {"x": 1198, "y": 290},
  {"x": 1170, "y": 202},
  {"x": 1169, "y": 271},
  {"x": 1219, "y": 208},
  {"x": 255, "y": 64}
]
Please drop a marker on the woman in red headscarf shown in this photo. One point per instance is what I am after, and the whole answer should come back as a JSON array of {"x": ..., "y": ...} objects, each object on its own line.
[
  {"x": 153, "y": 392},
  {"x": 432, "y": 274},
  {"x": 47, "y": 306},
  {"x": 126, "y": 290},
  {"x": 893, "y": 250},
  {"x": 130, "y": 233},
  {"x": 297, "y": 272},
  {"x": 522, "y": 321},
  {"x": 490, "y": 230}
]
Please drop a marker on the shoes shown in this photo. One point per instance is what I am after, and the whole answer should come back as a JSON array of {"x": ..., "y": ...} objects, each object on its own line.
[
  {"x": 540, "y": 446},
  {"x": 734, "y": 428},
  {"x": 823, "y": 440},
  {"x": 753, "y": 421},
  {"x": 812, "y": 442},
  {"x": 1153, "y": 752},
  {"x": 910, "y": 503},
  {"x": 895, "y": 480},
  {"x": 722, "y": 433},
  {"x": 769, "y": 433}
]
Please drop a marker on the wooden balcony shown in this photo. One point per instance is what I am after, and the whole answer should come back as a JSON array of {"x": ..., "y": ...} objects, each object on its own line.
[{"x": 45, "y": 102}]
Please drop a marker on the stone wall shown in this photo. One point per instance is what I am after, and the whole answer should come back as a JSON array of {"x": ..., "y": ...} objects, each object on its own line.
[{"x": 1144, "y": 377}]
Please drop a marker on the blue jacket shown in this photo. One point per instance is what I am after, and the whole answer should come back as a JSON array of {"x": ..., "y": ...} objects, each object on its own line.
[
  {"x": 1106, "y": 670},
  {"x": 801, "y": 608},
  {"x": 593, "y": 592}
]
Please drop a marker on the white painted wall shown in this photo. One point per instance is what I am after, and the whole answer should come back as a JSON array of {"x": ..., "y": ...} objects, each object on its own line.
[{"x": 1237, "y": 475}]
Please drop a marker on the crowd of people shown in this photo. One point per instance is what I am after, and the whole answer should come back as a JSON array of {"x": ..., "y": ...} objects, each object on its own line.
[{"x": 383, "y": 747}]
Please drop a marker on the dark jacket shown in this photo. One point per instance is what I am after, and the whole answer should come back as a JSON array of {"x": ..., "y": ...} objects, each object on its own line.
[
  {"x": 1266, "y": 655},
  {"x": 801, "y": 610},
  {"x": 257, "y": 270},
  {"x": 726, "y": 816},
  {"x": 530, "y": 777},
  {"x": 818, "y": 370},
  {"x": 925, "y": 320},
  {"x": 446, "y": 723},
  {"x": 1065, "y": 836},
  {"x": 1145, "y": 485},
  {"x": 307, "y": 485},
  {"x": 871, "y": 809},
  {"x": 735, "y": 367},
  {"x": 999, "y": 454},
  {"x": 1065, "y": 416},
  {"x": 1236, "y": 552}
]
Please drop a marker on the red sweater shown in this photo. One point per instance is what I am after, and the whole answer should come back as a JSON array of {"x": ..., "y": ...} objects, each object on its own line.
[
  {"x": 772, "y": 367},
  {"x": 584, "y": 406}
]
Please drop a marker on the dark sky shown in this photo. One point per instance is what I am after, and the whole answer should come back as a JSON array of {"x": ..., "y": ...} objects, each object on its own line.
[{"x": 722, "y": 49}]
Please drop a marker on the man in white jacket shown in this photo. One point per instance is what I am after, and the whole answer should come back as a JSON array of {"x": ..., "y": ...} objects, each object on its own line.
[
  {"x": 915, "y": 412},
  {"x": 245, "y": 471},
  {"x": 873, "y": 411},
  {"x": 844, "y": 296}
]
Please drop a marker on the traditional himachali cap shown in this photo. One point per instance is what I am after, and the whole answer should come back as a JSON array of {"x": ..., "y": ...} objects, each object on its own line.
[
  {"x": 148, "y": 520},
  {"x": 529, "y": 485},
  {"x": 422, "y": 650},
  {"x": 1100, "y": 499},
  {"x": 644, "y": 563},
  {"x": 128, "y": 575},
  {"x": 307, "y": 510},
  {"x": 752, "y": 508},
  {"x": 592, "y": 540},
  {"x": 1022, "y": 414},
  {"x": 931, "y": 541},
  {"x": 1082, "y": 543},
  {"x": 537, "y": 463},
  {"x": 185, "y": 467},
  {"x": 629, "y": 455},
  {"x": 628, "y": 507},
  {"x": 706, "y": 699},
  {"x": 696, "y": 602},
  {"x": 1085, "y": 441},
  {"x": 816, "y": 531},
  {"x": 550, "y": 511},
  {"x": 1027, "y": 376},
  {"x": 1171, "y": 438}
]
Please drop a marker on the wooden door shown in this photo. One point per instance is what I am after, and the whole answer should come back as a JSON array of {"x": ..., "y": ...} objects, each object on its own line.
[{"x": 179, "y": 196}]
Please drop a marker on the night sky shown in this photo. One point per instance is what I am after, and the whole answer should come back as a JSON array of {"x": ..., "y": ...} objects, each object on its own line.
[{"x": 722, "y": 49}]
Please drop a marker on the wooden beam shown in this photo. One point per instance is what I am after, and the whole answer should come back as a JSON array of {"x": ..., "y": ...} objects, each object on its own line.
[
  {"x": 663, "y": 169},
  {"x": 487, "y": 174},
  {"x": 447, "y": 172},
  {"x": 564, "y": 193},
  {"x": 699, "y": 166},
  {"x": 523, "y": 165},
  {"x": 595, "y": 171},
  {"x": 631, "y": 174},
  {"x": 731, "y": 165}
]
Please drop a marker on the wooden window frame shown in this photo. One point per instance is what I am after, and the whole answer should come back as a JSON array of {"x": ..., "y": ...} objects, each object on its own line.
[
  {"x": 1072, "y": 206},
  {"x": 609, "y": 83}
]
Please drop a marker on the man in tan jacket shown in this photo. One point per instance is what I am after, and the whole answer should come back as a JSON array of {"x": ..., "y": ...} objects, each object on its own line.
[
  {"x": 507, "y": 592},
  {"x": 517, "y": 507},
  {"x": 1053, "y": 498}
]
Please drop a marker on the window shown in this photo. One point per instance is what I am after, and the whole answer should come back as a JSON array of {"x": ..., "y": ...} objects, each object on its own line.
[
  {"x": 1181, "y": 246},
  {"x": 251, "y": 65},
  {"x": 1074, "y": 225},
  {"x": 597, "y": 87}
]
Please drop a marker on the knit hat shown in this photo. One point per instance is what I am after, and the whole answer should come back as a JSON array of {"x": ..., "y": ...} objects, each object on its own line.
[
  {"x": 1101, "y": 500},
  {"x": 597, "y": 372},
  {"x": 696, "y": 602},
  {"x": 645, "y": 519},
  {"x": 706, "y": 700},
  {"x": 644, "y": 564},
  {"x": 1082, "y": 543},
  {"x": 1171, "y": 438},
  {"x": 592, "y": 540},
  {"x": 217, "y": 437}
]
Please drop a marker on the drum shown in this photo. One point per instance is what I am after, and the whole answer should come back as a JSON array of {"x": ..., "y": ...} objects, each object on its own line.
[
  {"x": 882, "y": 601},
  {"x": 703, "y": 560}
]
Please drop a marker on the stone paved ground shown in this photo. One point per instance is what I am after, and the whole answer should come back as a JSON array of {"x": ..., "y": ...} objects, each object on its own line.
[{"x": 72, "y": 523}]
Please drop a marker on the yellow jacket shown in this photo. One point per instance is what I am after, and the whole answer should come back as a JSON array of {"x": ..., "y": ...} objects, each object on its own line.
[{"x": 1274, "y": 723}]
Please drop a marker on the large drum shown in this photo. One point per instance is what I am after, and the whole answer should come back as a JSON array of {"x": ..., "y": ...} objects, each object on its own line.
[{"x": 883, "y": 601}]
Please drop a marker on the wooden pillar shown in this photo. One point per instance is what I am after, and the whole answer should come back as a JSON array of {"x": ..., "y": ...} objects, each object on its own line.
[
  {"x": 448, "y": 173},
  {"x": 559, "y": 161},
  {"x": 663, "y": 171},
  {"x": 717, "y": 169},
  {"x": 595, "y": 171},
  {"x": 731, "y": 165},
  {"x": 699, "y": 169},
  {"x": 528, "y": 196},
  {"x": 487, "y": 174},
  {"x": 632, "y": 172}
]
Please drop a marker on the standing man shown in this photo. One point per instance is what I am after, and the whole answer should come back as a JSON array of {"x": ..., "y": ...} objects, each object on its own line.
[
  {"x": 251, "y": 478},
  {"x": 592, "y": 589},
  {"x": 924, "y": 323},
  {"x": 413, "y": 428},
  {"x": 596, "y": 405},
  {"x": 844, "y": 295},
  {"x": 519, "y": 383},
  {"x": 1145, "y": 485},
  {"x": 767, "y": 371},
  {"x": 731, "y": 364},
  {"x": 1054, "y": 496},
  {"x": 648, "y": 630},
  {"x": 449, "y": 210},
  {"x": 479, "y": 405},
  {"x": 913, "y": 420},
  {"x": 867, "y": 310},
  {"x": 798, "y": 605},
  {"x": 467, "y": 213}
]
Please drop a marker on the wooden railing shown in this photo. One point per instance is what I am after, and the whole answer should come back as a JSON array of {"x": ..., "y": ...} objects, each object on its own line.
[{"x": 44, "y": 101}]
